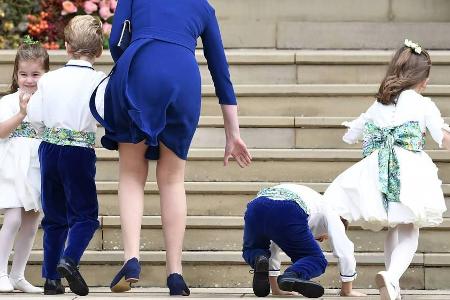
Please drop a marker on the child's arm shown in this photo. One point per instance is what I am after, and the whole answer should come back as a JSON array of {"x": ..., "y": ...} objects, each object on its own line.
[
  {"x": 347, "y": 290},
  {"x": 35, "y": 107},
  {"x": 446, "y": 140},
  {"x": 356, "y": 127},
  {"x": 274, "y": 270},
  {"x": 436, "y": 126},
  {"x": 343, "y": 249},
  {"x": 8, "y": 126},
  {"x": 235, "y": 146}
]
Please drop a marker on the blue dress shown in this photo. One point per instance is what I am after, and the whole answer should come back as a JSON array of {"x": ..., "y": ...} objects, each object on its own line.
[{"x": 155, "y": 92}]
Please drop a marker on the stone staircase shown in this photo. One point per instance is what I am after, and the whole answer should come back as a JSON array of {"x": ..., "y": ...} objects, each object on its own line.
[{"x": 291, "y": 104}]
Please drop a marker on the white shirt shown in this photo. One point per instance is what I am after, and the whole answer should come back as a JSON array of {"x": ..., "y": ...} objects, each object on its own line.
[
  {"x": 62, "y": 98},
  {"x": 410, "y": 106},
  {"x": 321, "y": 220}
]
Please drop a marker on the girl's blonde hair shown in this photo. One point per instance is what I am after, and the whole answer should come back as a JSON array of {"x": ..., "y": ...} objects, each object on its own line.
[
  {"x": 406, "y": 70},
  {"x": 28, "y": 52}
]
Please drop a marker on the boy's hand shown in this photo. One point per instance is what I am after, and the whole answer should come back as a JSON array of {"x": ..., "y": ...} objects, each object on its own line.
[
  {"x": 276, "y": 291},
  {"x": 347, "y": 290},
  {"x": 352, "y": 293},
  {"x": 23, "y": 102}
]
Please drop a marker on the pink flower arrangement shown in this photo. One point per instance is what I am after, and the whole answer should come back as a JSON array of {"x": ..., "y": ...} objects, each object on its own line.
[
  {"x": 59, "y": 12},
  {"x": 90, "y": 7},
  {"x": 68, "y": 8},
  {"x": 107, "y": 29}
]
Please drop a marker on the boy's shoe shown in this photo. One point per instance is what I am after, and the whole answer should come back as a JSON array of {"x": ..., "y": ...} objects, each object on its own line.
[
  {"x": 387, "y": 289},
  {"x": 23, "y": 285},
  {"x": 290, "y": 282},
  {"x": 5, "y": 284},
  {"x": 53, "y": 287},
  {"x": 127, "y": 275},
  {"x": 261, "y": 286},
  {"x": 67, "y": 269}
]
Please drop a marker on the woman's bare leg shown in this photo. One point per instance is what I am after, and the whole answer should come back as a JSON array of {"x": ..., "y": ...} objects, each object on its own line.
[
  {"x": 133, "y": 170},
  {"x": 170, "y": 176}
]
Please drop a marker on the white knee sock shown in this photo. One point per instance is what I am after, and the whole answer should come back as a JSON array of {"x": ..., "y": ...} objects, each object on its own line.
[
  {"x": 403, "y": 254},
  {"x": 24, "y": 243},
  {"x": 390, "y": 243},
  {"x": 11, "y": 225}
]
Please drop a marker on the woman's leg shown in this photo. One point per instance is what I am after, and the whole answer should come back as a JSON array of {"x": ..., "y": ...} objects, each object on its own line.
[
  {"x": 403, "y": 254},
  {"x": 24, "y": 243},
  {"x": 11, "y": 225},
  {"x": 390, "y": 243},
  {"x": 133, "y": 170},
  {"x": 170, "y": 176}
]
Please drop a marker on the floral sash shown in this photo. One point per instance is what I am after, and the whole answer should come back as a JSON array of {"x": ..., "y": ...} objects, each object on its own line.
[
  {"x": 25, "y": 130},
  {"x": 408, "y": 136},
  {"x": 66, "y": 137}
]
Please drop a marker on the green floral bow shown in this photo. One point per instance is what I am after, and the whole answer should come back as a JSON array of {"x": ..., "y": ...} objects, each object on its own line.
[
  {"x": 408, "y": 136},
  {"x": 27, "y": 40}
]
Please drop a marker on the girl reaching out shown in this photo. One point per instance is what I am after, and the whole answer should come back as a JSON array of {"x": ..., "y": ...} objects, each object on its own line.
[{"x": 396, "y": 184}]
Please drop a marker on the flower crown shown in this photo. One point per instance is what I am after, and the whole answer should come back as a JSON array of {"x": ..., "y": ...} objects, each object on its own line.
[
  {"x": 28, "y": 40},
  {"x": 414, "y": 46}
]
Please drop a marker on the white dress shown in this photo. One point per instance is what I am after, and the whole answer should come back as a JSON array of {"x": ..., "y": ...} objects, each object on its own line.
[
  {"x": 20, "y": 178},
  {"x": 355, "y": 193}
]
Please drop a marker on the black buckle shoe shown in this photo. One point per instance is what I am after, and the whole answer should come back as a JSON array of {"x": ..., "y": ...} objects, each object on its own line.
[
  {"x": 67, "y": 269},
  {"x": 290, "y": 281},
  {"x": 261, "y": 286},
  {"x": 53, "y": 287}
]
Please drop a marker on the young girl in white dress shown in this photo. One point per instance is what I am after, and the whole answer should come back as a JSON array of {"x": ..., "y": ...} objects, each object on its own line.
[
  {"x": 19, "y": 168},
  {"x": 396, "y": 184}
]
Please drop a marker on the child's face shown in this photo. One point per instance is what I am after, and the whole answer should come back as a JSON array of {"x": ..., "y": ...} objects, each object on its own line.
[{"x": 28, "y": 74}]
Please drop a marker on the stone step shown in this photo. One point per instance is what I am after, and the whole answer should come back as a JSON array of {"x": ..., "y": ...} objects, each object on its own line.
[
  {"x": 219, "y": 233},
  {"x": 307, "y": 100},
  {"x": 265, "y": 66},
  {"x": 327, "y": 133},
  {"x": 284, "y": 133},
  {"x": 212, "y": 233},
  {"x": 227, "y": 269},
  {"x": 254, "y": 130},
  {"x": 359, "y": 35},
  {"x": 306, "y": 165},
  {"x": 205, "y": 198}
]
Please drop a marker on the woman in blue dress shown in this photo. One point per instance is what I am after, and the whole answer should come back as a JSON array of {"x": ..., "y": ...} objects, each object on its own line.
[{"x": 152, "y": 108}]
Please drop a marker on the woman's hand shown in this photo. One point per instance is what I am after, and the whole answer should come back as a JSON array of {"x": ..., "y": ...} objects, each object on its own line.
[{"x": 236, "y": 148}]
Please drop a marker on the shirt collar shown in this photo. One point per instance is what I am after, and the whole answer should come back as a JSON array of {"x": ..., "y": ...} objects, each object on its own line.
[{"x": 79, "y": 62}]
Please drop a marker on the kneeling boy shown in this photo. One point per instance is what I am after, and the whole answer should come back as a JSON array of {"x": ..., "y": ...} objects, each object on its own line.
[{"x": 292, "y": 217}]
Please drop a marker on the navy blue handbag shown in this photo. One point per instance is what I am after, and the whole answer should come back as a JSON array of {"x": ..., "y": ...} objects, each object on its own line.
[{"x": 125, "y": 36}]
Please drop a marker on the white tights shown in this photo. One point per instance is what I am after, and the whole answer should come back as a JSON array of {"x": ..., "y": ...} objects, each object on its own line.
[
  {"x": 399, "y": 249},
  {"x": 21, "y": 226}
]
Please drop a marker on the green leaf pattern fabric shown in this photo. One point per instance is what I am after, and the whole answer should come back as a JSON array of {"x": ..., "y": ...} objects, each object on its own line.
[
  {"x": 408, "y": 136},
  {"x": 66, "y": 137}
]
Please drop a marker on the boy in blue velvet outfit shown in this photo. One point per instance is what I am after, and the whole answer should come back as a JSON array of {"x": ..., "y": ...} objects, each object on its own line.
[
  {"x": 60, "y": 111},
  {"x": 293, "y": 218}
]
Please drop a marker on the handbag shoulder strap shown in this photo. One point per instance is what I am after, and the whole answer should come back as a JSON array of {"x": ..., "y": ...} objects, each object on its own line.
[{"x": 93, "y": 108}]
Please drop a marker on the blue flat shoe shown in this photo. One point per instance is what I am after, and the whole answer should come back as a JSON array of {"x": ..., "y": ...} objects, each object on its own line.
[
  {"x": 127, "y": 275},
  {"x": 177, "y": 286}
]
